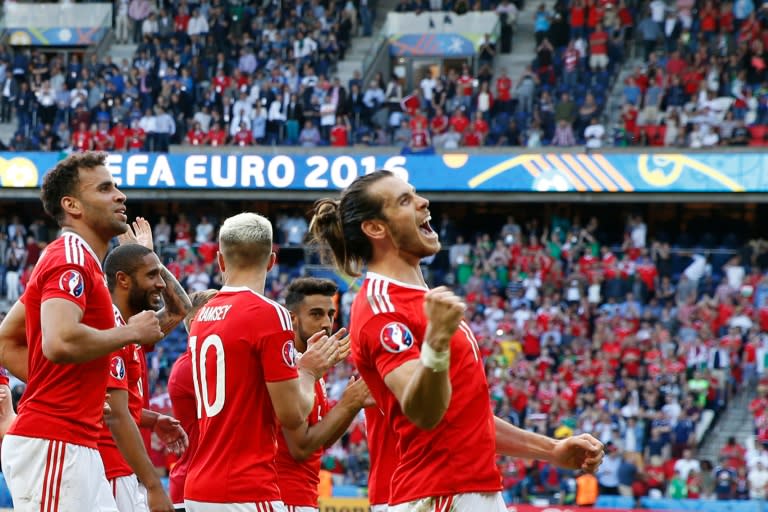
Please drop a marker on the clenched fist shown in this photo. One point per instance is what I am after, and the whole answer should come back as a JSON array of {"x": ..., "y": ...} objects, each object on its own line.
[
  {"x": 146, "y": 328},
  {"x": 444, "y": 311}
]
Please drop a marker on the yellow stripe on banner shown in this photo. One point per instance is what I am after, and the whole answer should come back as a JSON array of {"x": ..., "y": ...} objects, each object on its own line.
[
  {"x": 589, "y": 167},
  {"x": 577, "y": 170},
  {"x": 576, "y": 182},
  {"x": 35, "y": 32},
  {"x": 501, "y": 168},
  {"x": 606, "y": 166},
  {"x": 532, "y": 169},
  {"x": 714, "y": 174}
]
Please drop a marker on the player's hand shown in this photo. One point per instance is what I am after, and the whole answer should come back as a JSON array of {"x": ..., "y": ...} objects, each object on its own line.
[
  {"x": 139, "y": 232},
  {"x": 143, "y": 231},
  {"x": 322, "y": 353},
  {"x": 7, "y": 414},
  {"x": 158, "y": 501},
  {"x": 146, "y": 328},
  {"x": 343, "y": 342},
  {"x": 357, "y": 395},
  {"x": 444, "y": 311},
  {"x": 582, "y": 452},
  {"x": 169, "y": 431}
]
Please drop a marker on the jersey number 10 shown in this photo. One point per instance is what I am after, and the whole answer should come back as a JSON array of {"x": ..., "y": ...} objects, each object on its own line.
[{"x": 201, "y": 379}]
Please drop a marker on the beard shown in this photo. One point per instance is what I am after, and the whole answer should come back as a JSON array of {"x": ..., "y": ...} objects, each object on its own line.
[{"x": 139, "y": 299}]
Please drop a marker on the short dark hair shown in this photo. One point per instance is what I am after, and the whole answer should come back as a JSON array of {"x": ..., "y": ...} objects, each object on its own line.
[
  {"x": 124, "y": 258},
  {"x": 306, "y": 286},
  {"x": 63, "y": 179},
  {"x": 337, "y": 224}
]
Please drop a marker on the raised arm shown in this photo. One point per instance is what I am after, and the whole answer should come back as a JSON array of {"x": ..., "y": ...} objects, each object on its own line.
[{"x": 423, "y": 386}]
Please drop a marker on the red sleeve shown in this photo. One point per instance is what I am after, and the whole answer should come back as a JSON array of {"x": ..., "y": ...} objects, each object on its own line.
[
  {"x": 117, "y": 378},
  {"x": 4, "y": 377},
  {"x": 67, "y": 281},
  {"x": 278, "y": 357},
  {"x": 389, "y": 341}
]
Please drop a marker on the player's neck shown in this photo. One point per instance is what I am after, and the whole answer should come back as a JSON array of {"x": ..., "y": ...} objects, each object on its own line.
[
  {"x": 398, "y": 269},
  {"x": 93, "y": 240},
  {"x": 247, "y": 279},
  {"x": 123, "y": 307}
]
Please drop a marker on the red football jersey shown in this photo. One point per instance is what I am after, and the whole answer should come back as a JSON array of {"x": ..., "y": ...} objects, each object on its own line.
[
  {"x": 124, "y": 373},
  {"x": 239, "y": 341},
  {"x": 65, "y": 402},
  {"x": 298, "y": 481},
  {"x": 382, "y": 450},
  {"x": 387, "y": 328},
  {"x": 181, "y": 390}
]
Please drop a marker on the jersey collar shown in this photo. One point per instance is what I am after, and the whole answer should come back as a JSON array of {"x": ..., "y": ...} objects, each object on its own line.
[{"x": 374, "y": 275}]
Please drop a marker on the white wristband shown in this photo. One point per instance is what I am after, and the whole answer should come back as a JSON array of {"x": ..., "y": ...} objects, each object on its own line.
[{"x": 435, "y": 361}]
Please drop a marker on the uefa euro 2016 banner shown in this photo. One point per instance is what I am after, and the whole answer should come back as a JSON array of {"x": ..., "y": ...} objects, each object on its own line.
[{"x": 513, "y": 172}]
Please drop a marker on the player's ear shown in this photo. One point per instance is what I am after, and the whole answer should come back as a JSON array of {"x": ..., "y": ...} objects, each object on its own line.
[
  {"x": 122, "y": 279},
  {"x": 374, "y": 229},
  {"x": 220, "y": 259},
  {"x": 294, "y": 318},
  {"x": 271, "y": 262},
  {"x": 71, "y": 206}
]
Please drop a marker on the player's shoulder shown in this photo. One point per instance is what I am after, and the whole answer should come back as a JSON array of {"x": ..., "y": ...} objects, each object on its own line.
[
  {"x": 382, "y": 295},
  {"x": 68, "y": 250},
  {"x": 255, "y": 305}
]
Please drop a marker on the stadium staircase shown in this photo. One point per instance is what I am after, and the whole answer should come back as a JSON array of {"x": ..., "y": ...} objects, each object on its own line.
[
  {"x": 736, "y": 421},
  {"x": 523, "y": 44}
]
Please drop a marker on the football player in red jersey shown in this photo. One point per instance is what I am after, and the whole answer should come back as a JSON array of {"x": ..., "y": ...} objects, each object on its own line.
[
  {"x": 181, "y": 390},
  {"x": 310, "y": 302},
  {"x": 247, "y": 378},
  {"x": 138, "y": 281},
  {"x": 419, "y": 358},
  {"x": 50, "y": 458}
]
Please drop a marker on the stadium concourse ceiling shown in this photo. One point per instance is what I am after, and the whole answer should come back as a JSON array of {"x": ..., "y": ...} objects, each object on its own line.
[{"x": 484, "y": 175}]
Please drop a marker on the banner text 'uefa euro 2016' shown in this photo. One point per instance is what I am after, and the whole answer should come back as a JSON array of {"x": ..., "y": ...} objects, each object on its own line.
[{"x": 455, "y": 172}]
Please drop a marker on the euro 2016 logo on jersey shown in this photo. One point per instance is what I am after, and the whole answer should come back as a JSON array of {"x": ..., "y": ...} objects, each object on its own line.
[
  {"x": 396, "y": 337},
  {"x": 117, "y": 368},
  {"x": 289, "y": 354},
  {"x": 72, "y": 282}
]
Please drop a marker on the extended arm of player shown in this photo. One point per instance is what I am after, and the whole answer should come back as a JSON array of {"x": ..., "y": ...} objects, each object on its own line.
[
  {"x": 579, "y": 452},
  {"x": 176, "y": 300},
  {"x": 67, "y": 340},
  {"x": 13, "y": 341},
  {"x": 167, "y": 428},
  {"x": 128, "y": 439},
  {"x": 305, "y": 440}
]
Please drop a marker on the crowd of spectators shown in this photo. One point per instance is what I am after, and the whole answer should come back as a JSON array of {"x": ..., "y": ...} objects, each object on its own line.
[
  {"x": 580, "y": 330},
  {"x": 703, "y": 83},
  {"x": 214, "y": 73}
]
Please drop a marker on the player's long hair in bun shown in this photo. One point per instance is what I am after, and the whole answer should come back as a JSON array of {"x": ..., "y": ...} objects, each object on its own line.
[{"x": 336, "y": 225}]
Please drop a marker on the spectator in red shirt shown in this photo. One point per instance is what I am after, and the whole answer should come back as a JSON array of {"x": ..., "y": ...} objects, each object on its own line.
[
  {"x": 217, "y": 136},
  {"x": 119, "y": 134},
  {"x": 243, "y": 136},
  {"x": 459, "y": 121},
  {"x": 340, "y": 132},
  {"x": 465, "y": 85},
  {"x": 503, "y": 91},
  {"x": 479, "y": 125},
  {"x": 196, "y": 136},
  {"x": 420, "y": 137},
  {"x": 598, "y": 49},
  {"x": 81, "y": 139}
]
